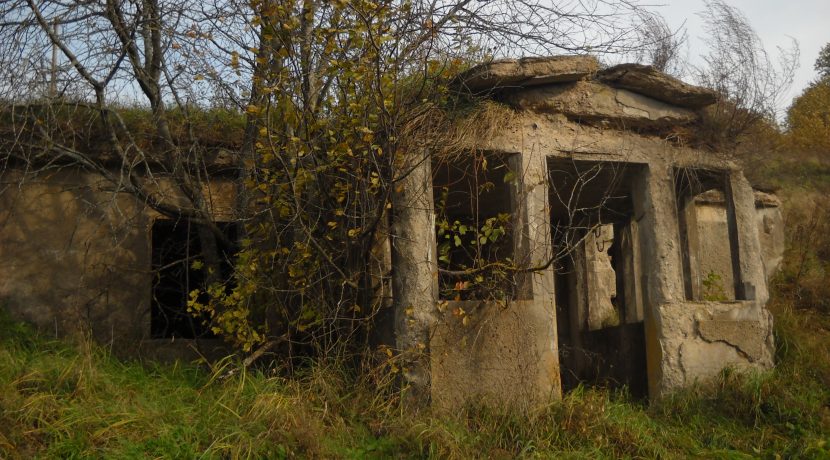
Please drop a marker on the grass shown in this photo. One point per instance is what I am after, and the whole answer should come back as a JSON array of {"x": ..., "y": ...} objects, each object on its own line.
[{"x": 62, "y": 400}]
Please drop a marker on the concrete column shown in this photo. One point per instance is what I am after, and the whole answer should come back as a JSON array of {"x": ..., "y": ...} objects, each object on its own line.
[
  {"x": 740, "y": 200},
  {"x": 521, "y": 239},
  {"x": 415, "y": 271},
  {"x": 662, "y": 283},
  {"x": 632, "y": 272},
  {"x": 539, "y": 243},
  {"x": 540, "y": 252},
  {"x": 690, "y": 245},
  {"x": 655, "y": 212}
]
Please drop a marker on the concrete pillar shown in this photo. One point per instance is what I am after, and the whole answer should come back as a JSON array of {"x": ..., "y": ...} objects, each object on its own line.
[
  {"x": 533, "y": 247},
  {"x": 662, "y": 282},
  {"x": 602, "y": 279},
  {"x": 632, "y": 272},
  {"x": 750, "y": 277},
  {"x": 534, "y": 183},
  {"x": 690, "y": 244},
  {"x": 415, "y": 271}
]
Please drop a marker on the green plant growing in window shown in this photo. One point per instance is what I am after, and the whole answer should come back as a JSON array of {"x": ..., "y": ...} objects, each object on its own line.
[
  {"x": 713, "y": 289},
  {"x": 474, "y": 248}
]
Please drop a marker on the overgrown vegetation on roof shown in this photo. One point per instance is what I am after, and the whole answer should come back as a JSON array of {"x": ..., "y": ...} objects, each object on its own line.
[{"x": 30, "y": 127}]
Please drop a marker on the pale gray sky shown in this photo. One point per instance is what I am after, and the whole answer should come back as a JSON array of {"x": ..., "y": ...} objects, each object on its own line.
[{"x": 808, "y": 21}]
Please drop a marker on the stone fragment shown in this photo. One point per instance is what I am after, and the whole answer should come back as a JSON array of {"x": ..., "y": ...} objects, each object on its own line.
[
  {"x": 651, "y": 82},
  {"x": 530, "y": 71},
  {"x": 766, "y": 200}
]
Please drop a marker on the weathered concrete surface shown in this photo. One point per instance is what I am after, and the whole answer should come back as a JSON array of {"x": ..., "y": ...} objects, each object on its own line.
[
  {"x": 702, "y": 338},
  {"x": 553, "y": 134},
  {"x": 743, "y": 335},
  {"x": 770, "y": 222},
  {"x": 677, "y": 352},
  {"x": 493, "y": 353},
  {"x": 711, "y": 218},
  {"x": 713, "y": 256},
  {"x": 526, "y": 72},
  {"x": 650, "y": 82},
  {"x": 749, "y": 263},
  {"x": 592, "y": 102},
  {"x": 75, "y": 259},
  {"x": 77, "y": 256},
  {"x": 602, "y": 279},
  {"x": 415, "y": 265}
]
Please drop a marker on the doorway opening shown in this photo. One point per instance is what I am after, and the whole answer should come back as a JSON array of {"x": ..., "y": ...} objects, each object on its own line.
[{"x": 598, "y": 273}]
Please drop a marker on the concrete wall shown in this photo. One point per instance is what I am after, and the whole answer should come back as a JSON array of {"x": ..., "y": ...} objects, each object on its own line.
[
  {"x": 506, "y": 353},
  {"x": 493, "y": 353},
  {"x": 460, "y": 352},
  {"x": 770, "y": 223},
  {"x": 77, "y": 257}
]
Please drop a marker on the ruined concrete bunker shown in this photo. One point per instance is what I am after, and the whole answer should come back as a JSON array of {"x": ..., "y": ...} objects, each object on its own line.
[
  {"x": 651, "y": 258},
  {"x": 647, "y": 262}
]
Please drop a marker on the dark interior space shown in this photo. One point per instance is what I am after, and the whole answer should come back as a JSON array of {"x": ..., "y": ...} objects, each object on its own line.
[
  {"x": 175, "y": 248},
  {"x": 591, "y": 202}
]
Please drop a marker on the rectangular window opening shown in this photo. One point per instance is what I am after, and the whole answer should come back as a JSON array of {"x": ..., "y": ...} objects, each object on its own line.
[
  {"x": 474, "y": 219},
  {"x": 708, "y": 235},
  {"x": 175, "y": 248}
]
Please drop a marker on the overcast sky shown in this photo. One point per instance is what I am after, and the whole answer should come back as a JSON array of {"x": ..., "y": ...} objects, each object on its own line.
[{"x": 775, "y": 21}]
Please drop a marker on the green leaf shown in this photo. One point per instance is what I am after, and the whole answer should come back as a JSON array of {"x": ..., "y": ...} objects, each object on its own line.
[{"x": 457, "y": 241}]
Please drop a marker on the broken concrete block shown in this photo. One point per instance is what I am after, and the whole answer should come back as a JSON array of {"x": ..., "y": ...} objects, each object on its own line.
[
  {"x": 651, "y": 82},
  {"x": 526, "y": 72}
]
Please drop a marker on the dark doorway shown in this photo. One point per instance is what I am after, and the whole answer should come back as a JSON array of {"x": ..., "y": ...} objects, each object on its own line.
[
  {"x": 599, "y": 307},
  {"x": 176, "y": 248}
]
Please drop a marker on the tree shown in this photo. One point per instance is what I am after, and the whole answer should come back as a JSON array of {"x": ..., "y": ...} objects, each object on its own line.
[
  {"x": 822, "y": 65},
  {"x": 334, "y": 95},
  {"x": 661, "y": 46},
  {"x": 808, "y": 119}
]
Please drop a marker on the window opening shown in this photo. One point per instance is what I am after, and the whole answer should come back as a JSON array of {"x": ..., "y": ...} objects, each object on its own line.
[
  {"x": 474, "y": 209},
  {"x": 707, "y": 234},
  {"x": 175, "y": 248}
]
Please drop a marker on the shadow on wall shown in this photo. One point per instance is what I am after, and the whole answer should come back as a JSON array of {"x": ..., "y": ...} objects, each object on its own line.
[{"x": 71, "y": 253}]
